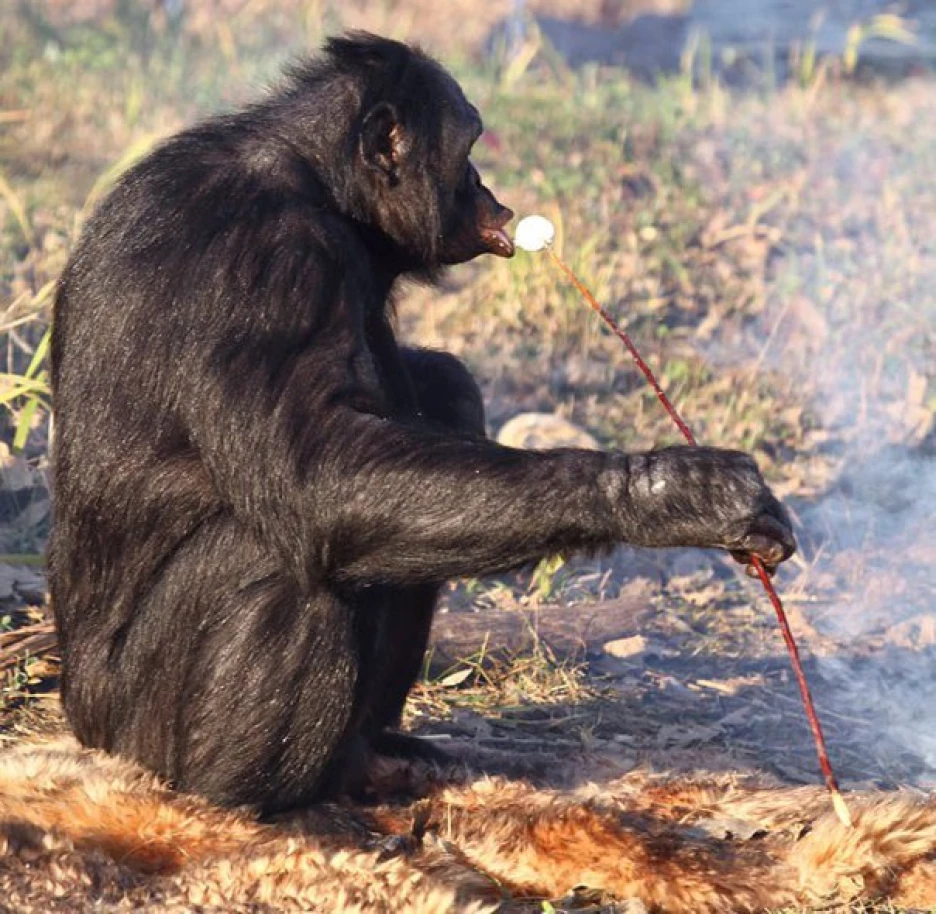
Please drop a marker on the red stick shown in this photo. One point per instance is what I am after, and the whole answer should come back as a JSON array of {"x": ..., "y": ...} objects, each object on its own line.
[{"x": 838, "y": 802}]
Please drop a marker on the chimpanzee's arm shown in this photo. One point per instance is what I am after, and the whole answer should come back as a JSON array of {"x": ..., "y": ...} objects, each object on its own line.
[
  {"x": 292, "y": 422},
  {"x": 354, "y": 496}
]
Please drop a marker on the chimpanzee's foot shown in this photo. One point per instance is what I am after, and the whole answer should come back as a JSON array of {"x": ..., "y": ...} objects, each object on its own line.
[{"x": 412, "y": 748}]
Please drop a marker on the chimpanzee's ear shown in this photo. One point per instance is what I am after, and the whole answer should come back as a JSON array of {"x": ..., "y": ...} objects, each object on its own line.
[{"x": 383, "y": 140}]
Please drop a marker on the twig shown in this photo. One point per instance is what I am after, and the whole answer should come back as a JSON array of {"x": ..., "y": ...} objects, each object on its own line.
[{"x": 30, "y": 640}]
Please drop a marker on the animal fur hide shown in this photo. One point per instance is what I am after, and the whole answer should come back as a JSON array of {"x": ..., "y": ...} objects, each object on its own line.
[{"x": 82, "y": 831}]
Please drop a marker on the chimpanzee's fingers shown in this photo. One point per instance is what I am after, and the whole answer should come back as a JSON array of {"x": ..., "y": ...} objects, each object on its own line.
[
  {"x": 744, "y": 558},
  {"x": 770, "y": 539}
]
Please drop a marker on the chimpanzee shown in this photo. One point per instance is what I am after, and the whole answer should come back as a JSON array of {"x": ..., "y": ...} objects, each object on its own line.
[{"x": 258, "y": 490}]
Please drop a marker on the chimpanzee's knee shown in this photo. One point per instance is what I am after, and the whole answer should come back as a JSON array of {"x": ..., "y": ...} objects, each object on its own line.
[{"x": 446, "y": 391}]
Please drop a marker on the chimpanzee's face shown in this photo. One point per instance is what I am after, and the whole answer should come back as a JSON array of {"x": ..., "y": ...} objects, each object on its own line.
[
  {"x": 430, "y": 198},
  {"x": 473, "y": 218},
  {"x": 476, "y": 223}
]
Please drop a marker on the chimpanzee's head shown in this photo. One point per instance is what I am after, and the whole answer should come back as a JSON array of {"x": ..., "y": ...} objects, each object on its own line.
[{"x": 407, "y": 169}]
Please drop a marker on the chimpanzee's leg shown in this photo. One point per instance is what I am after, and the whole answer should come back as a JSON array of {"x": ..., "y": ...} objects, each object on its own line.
[{"x": 450, "y": 398}]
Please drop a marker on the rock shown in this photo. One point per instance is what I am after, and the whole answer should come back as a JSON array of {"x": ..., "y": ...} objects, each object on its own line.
[
  {"x": 624, "y": 648},
  {"x": 21, "y": 584},
  {"x": 25, "y": 503},
  {"x": 544, "y": 430},
  {"x": 7, "y": 582}
]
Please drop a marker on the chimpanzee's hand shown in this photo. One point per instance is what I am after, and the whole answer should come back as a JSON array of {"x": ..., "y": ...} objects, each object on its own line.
[{"x": 708, "y": 497}]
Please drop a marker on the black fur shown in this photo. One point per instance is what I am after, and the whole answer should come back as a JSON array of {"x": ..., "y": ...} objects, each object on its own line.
[{"x": 258, "y": 492}]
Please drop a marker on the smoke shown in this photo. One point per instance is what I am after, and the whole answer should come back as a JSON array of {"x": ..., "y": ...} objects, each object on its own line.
[
  {"x": 870, "y": 534},
  {"x": 875, "y": 542},
  {"x": 876, "y": 535}
]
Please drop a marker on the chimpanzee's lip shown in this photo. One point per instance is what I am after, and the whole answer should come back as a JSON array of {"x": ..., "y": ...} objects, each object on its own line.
[{"x": 497, "y": 241}]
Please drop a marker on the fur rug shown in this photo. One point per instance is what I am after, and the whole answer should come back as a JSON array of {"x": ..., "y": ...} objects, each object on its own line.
[{"x": 81, "y": 831}]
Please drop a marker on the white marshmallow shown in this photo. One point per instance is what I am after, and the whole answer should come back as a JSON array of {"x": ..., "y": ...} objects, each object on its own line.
[{"x": 534, "y": 233}]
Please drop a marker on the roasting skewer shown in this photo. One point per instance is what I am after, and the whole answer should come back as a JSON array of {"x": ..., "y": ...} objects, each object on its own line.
[{"x": 536, "y": 233}]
